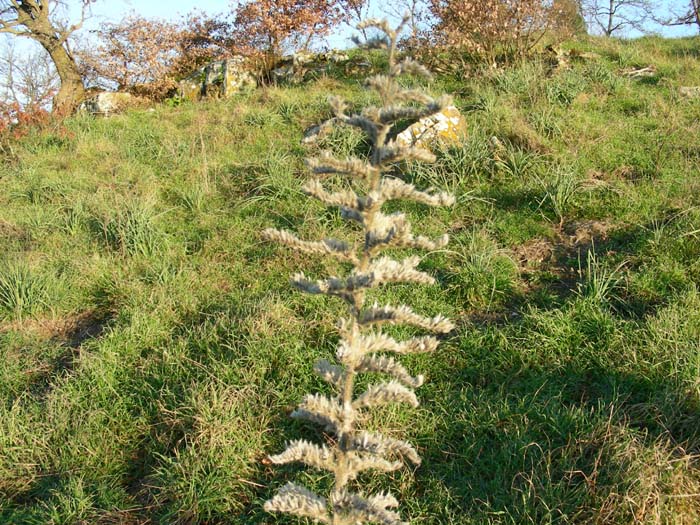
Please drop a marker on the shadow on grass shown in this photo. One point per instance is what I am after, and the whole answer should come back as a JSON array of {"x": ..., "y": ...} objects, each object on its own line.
[
  {"x": 514, "y": 199},
  {"x": 524, "y": 443}
]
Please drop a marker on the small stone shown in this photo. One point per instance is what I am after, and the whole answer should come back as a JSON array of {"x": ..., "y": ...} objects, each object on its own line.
[
  {"x": 336, "y": 55},
  {"x": 107, "y": 103},
  {"x": 190, "y": 88},
  {"x": 689, "y": 91},
  {"x": 640, "y": 72},
  {"x": 304, "y": 57},
  {"x": 447, "y": 126},
  {"x": 287, "y": 73}
]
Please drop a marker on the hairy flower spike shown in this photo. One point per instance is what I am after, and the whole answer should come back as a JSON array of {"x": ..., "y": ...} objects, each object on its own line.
[
  {"x": 334, "y": 374},
  {"x": 308, "y": 453},
  {"x": 299, "y": 501},
  {"x": 392, "y": 114},
  {"x": 388, "y": 365},
  {"x": 362, "y": 348},
  {"x": 359, "y": 462},
  {"x": 320, "y": 409},
  {"x": 357, "y": 509},
  {"x": 404, "y": 315},
  {"x": 333, "y": 247},
  {"x": 385, "y": 393},
  {"x": 395, "y": 230},
  {"x": 327, "y": 163},
  {"x": 362, "y": 345},
  {"x": 398, "y": 189},
  {"x": 392, "y": 153},
  {"x": 411, "y": 67},
  {"x": 385, "y": 446}
]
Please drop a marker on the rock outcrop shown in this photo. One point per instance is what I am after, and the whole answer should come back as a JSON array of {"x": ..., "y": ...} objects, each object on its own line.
[
  {"x": 219, "y": 79},
  {"x": 296, "y": 68},
  {"x": 559, "y": 58}
]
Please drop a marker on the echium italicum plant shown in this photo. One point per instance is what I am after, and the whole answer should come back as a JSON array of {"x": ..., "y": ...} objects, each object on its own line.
[{"x": 363, "y": 346}]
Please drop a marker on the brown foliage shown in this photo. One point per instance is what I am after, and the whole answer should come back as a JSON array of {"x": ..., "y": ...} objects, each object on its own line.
[
  {"x": 272, "y": 26},
  {"x": 490, "y": 27},
  {"x": 135, "y": 55},
  {"x": 147, "y": 57},
  {"x": 16, "y": 121},
  {"x": 202, "y": 39}
]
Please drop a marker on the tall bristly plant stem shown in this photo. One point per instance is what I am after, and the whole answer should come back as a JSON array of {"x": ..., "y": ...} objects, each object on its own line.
[{"x": 363, "y": 345}]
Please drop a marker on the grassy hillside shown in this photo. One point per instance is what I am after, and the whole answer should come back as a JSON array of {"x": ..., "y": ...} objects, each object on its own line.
[{"x": 151, "y": 347}]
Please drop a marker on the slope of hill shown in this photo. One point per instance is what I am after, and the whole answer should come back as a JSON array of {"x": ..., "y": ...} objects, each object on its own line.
[{"x": 151, "y": 347}]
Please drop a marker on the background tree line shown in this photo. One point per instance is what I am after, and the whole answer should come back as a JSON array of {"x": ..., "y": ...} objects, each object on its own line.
[{"x": 148, "y": 56}]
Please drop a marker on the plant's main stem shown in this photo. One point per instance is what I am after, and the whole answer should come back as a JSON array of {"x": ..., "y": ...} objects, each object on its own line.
[{"x": 348, "y": 429}]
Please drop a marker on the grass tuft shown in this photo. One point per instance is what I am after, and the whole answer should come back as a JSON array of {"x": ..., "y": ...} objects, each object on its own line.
[
  {"x": 22, "y": 292},
  {"x": 132, "y": 230}
]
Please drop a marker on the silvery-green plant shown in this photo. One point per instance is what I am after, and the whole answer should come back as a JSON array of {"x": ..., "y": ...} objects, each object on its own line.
[{"x": 364, "y": 346}]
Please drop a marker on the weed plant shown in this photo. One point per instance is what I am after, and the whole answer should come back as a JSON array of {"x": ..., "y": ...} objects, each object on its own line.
[{"x": 364, "y": 344}]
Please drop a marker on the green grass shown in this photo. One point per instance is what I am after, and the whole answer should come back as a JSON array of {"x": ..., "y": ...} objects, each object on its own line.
[
  {"x": 21, "y": 292},
  {"x": 151, "y": 347}
]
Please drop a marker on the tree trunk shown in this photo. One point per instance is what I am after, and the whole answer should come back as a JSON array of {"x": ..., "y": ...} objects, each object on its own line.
[
  {"x": 35, "y": 17},
  {"x": 72, "y": 91},
  {"x": 611, "y": 11}
]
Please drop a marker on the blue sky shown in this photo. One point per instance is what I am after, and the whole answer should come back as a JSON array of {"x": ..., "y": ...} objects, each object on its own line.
[{"x": 114, "y": 10}]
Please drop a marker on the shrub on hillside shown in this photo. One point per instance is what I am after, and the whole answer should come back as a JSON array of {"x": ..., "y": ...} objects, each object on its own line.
[
  {"x": 18, "y": 121},
  {"x": 567, "y": 19},
  {"x": 203, "y": 38},
  {"x": 134, "y": 55},
  {"x": 268, "y": 28},
  {"x": 492, "y": 28},
  {"x": 147, "y": 57}
]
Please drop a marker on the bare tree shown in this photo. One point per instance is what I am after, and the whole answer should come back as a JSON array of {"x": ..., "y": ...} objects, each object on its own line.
[
  {"x": 690, "y": 16},
  {"x": 418, "y": 12},
  {"x": 354, "y": 12},
  {"x": 613, "y": 16},
  {"x": 28, "y": 78},
  {"x": 40, "y": 21}
]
